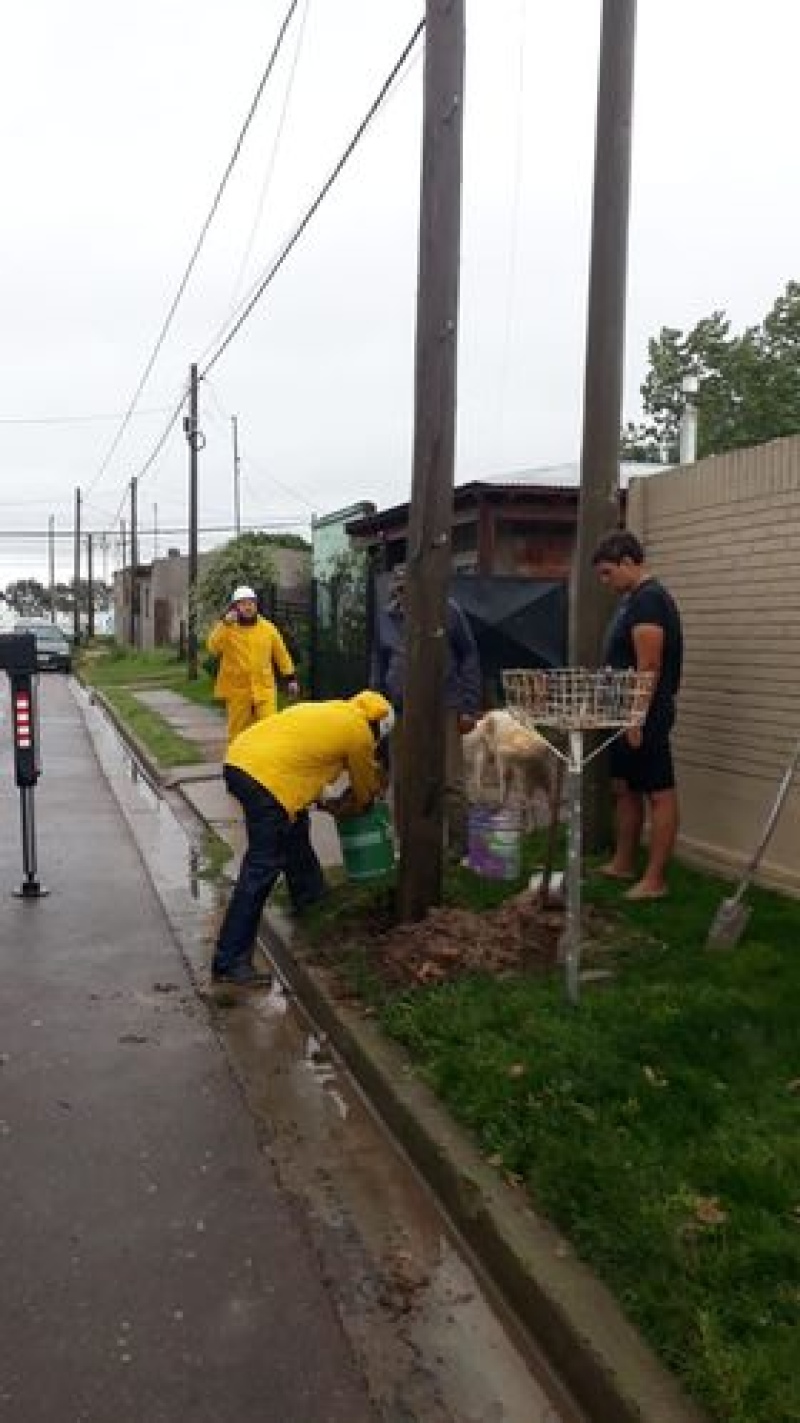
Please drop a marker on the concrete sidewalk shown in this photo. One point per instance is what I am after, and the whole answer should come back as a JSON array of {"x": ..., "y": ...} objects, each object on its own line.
[{"x": 152, "y": 1268}]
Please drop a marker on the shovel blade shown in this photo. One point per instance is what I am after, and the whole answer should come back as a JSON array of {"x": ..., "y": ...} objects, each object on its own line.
[{"x": 730, "y": 922}]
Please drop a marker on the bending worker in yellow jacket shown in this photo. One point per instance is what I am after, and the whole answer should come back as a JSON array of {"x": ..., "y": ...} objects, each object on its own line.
[
  {"x": 250, "y": 649},
  {"x": 276, "y": 770}
]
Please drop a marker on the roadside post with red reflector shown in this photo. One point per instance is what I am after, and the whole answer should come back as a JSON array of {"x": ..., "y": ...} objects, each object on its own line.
[{"x": 18, "y": 659}]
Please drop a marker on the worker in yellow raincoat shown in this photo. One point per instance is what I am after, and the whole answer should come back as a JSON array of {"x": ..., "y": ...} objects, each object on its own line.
[
  {"x": 277, "y": 769},
  {"x": 250, "y": 651}
]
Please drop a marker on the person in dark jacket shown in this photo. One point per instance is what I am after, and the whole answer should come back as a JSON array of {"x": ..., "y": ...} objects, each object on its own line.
[{"x": 462, "y": 700}]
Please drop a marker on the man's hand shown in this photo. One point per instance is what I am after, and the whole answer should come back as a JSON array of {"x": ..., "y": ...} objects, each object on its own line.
[
  {"x": 343, "y": 807},
  {"x": 293, "y": 687},
  {"x": 633, "y": 736},
  {"x": 231, "y": 617},
  {"x": 466, "y": 723}
]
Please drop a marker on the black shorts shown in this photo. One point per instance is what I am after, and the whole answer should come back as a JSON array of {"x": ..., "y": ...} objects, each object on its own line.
[{"x": 645, "y": 769}]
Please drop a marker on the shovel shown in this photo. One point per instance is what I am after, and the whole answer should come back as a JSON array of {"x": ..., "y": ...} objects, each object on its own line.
[{"x": 730, "y": 920}]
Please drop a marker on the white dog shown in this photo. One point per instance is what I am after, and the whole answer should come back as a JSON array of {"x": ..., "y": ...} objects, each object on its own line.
[{"x": 522, "y": 759}]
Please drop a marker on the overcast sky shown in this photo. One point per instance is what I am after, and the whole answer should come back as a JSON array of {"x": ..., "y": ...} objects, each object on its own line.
[{"x": 118, "y": 121}]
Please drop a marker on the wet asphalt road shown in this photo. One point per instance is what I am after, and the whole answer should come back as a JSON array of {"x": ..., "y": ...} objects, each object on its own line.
[{"x": 151, "y": 1267}]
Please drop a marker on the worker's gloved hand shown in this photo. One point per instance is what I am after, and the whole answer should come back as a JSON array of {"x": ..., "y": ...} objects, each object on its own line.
[
  {"x": 343, "y": 807},
  {"x": 293, "y": 687}
]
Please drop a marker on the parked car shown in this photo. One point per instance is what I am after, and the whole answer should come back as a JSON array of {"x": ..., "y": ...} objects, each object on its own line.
[{"x": 53, "y": 650}]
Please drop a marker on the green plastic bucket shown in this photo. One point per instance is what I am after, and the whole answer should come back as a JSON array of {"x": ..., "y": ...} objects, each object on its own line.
[
  {"x": 495, "y": 843},
  {"x": 367, "y": 843}
]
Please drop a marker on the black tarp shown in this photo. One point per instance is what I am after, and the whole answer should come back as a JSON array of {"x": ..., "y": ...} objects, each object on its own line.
[{"x": 517, "y": 622}]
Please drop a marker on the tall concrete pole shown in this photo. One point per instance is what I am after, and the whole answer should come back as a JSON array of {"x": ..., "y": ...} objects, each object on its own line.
[
  {"x": 76, "y": 575},
  {"x": 51, "y": 562},
  {"x": 89, "y": 586},
  {"x": 431, "y": 513},
  {"x": 599, "y": 509},
  {"x": 193, "y": 437},
  {"x": 237, "y": 502},
  {"x": 134, "y": 532}
]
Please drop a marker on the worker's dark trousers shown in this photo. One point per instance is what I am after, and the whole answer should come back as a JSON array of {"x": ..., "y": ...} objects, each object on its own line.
[{"x": 276, "y": 845}]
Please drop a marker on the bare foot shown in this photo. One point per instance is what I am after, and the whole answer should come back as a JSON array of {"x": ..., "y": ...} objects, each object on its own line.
[
  {"x": 612, "y": 871},
  {"x": 643, "y": 891}
]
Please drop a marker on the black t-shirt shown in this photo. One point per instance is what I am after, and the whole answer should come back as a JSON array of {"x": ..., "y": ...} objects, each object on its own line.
[{"x": 650, "y": 603}]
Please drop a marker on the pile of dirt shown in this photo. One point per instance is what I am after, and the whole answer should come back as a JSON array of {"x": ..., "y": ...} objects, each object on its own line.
[{"x": 448, "y": 943}]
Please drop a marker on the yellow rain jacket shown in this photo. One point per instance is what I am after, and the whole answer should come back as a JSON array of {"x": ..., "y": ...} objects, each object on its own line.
[
  {"x": 295, "y": 754},
  {"x": 248, "y": 657}
]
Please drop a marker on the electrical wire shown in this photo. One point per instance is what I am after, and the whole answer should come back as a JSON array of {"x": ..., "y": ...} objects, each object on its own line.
[
  {"x": 335, "y": 173},
  {"x": 198, "y": 245},
  {"x": 271, "y": 162},
  {"x": 73, "y": 419}
]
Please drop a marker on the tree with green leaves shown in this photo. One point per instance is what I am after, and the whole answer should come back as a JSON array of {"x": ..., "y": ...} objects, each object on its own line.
[
  {"x": 244, "y": 560},
  {"x": 749, "y": 384}
]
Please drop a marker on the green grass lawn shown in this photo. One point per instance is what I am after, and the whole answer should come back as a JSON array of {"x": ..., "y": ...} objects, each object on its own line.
[
  {"x": 658, "y": 1124},
  {"x": 166, "y": 746},
  {"x": 117, "y": 666}
]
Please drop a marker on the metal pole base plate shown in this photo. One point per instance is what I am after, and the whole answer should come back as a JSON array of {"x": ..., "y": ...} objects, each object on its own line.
[{"x": 31, "y": 889}]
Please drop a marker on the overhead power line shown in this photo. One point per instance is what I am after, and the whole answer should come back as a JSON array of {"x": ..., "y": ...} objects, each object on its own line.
[
  {"x": 198, "y": 245},
  {"x": 266, "y": 526},
  {"x": 336, "y": 172},
  {"x": 72, "y": 419}
]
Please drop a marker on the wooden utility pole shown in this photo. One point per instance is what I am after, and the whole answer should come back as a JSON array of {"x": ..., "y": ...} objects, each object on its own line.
[
  {"x": 90, "y": 586},
  {"x": 237, "y": 503},
  {"x": 76, "y": 573},
  {"x": 431, "y": 513},
  {"x": 192, "y": 435},
  {"x": 134, "y": 561},
  {"x": 599, "y": 510},
  {"x": 51, "y": 561}
]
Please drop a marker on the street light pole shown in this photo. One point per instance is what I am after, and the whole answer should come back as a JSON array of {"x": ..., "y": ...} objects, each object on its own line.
[{"x": 237, "y": 509}]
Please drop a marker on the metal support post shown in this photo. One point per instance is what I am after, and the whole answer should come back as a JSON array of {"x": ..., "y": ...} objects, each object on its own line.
[{"x": 569, "y": 949}]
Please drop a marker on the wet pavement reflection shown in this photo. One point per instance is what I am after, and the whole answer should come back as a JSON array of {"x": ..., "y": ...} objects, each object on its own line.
[{"x": 424, "y": 1333}]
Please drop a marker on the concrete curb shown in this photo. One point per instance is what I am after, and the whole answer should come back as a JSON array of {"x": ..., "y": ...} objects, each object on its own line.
[
  {"x": 156, "y": 774},
  {"x": 568, "y": 1313}
]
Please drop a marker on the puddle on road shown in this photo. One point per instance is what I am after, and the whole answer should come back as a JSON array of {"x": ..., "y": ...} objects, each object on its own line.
[{"x": 428, "y": 1342}]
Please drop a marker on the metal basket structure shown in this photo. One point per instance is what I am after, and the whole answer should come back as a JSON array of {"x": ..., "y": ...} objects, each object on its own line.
[{"x": 577, "y": 700}]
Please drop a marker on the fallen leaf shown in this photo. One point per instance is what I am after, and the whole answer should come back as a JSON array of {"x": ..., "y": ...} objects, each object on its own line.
[{"x": 708, "y": 1210}]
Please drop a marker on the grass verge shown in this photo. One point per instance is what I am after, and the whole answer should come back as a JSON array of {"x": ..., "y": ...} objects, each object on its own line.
[
  {"x": 166, "y": 746},
  {"x": 117, "y": 666},
  {"x": 657, "y": 1124}
]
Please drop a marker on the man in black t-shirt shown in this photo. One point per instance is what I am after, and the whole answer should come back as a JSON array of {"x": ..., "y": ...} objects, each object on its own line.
[{"x": 646, "y": 634}]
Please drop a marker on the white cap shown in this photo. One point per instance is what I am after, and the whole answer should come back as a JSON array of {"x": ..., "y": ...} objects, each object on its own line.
[
  {"x": 239, "y": 594},
  {"x": 385, "y": 724}
]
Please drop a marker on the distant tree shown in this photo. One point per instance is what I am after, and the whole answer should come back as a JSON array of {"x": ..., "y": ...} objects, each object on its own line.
[
  {"x": 295, "y": 541},
  {"x": 27, "y": 595},
  {"x": 246, "y": 559},
  {"x": 749, "y": 385}
]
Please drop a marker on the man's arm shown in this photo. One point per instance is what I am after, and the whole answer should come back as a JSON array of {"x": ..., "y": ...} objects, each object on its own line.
[
  {"x": 362, "y": 765},
  {"x": 465, "y": 654},
  {"x": 648, "y": 646},
  {"x": 216, "y": 639},
  {"x": 280, "y": 654}
]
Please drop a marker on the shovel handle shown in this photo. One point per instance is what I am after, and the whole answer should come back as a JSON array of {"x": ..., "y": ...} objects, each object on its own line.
[{"x": 771, "y": 822}]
